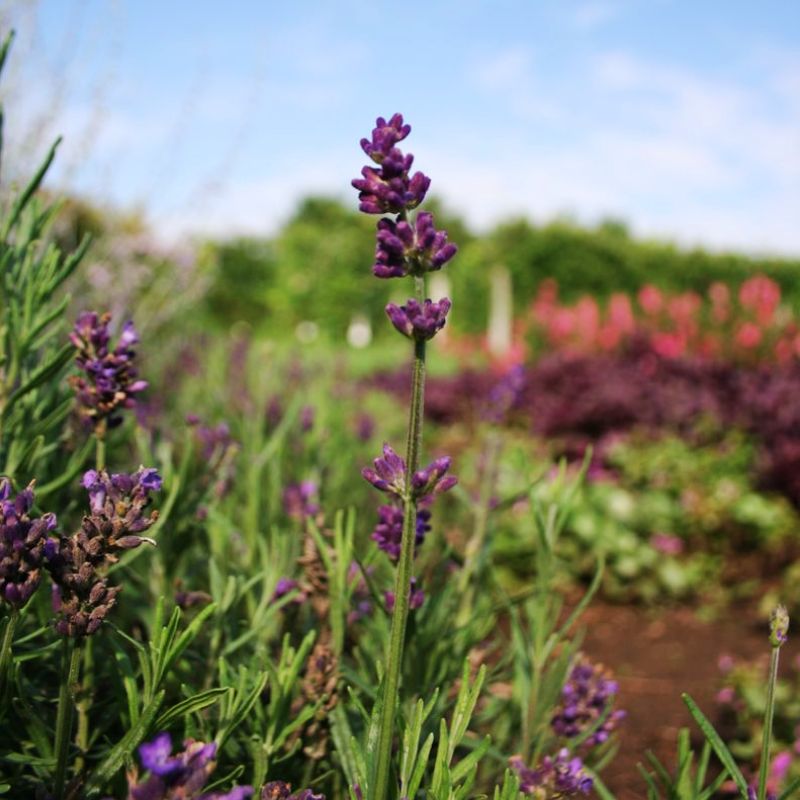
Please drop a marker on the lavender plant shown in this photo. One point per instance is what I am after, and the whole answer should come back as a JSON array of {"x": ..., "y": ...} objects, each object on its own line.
[{"x": 408, "y": 245}]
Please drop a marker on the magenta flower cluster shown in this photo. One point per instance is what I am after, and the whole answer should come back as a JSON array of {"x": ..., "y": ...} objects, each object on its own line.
[
  {"x": 586, "y": 699},
  {"x": 562, "y": 776},
  {"x": 108, "y": 380},
  {"x": 183, "y": 775},
  {"x": 390, "y": 476}
]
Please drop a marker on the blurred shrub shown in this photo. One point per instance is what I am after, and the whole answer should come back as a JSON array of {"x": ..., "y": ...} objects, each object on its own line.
[{"x": 313, "y": 268}]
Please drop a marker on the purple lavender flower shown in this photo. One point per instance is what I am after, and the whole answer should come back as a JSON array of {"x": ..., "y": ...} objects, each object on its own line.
[
  {"x": 587, "y": 697},
  {"x": 365, "y": 426},
  {"x": 432, "y": 479},
  {"x": 416, "y": 597},
  {"x": 22, "y": 544},
  {"x": 118, "y": 505},
  {"x": 431, "y": 250},
  {"x": 279, "y": 790},
  {"x": 286, "y": 585},
  {"x": 385, "y": 136},
  {"x": 81, "y": 596},
  {"x": 107, "y": 382},
  {"x": 213, "y": 440},
  {"x": 388, "y": 533},
  {"x": 419, "y": 322},
  {"x": 183, "y": 775},
  {"x": 402, "y": 250},
  {"x": 389, "y": 474},
  {"x": 557, "y": 777},
  {"x": 306, "y": 418},
  {"x": 390, "y": 189},
  {"x": 505, "y": 394},
  {"x": 299, "y": 500}
]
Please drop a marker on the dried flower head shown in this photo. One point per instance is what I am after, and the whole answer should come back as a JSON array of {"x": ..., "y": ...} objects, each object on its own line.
[{"x": 82, "y": 596}]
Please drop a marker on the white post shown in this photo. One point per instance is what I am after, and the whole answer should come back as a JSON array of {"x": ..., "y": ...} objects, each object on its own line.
[{"x": 501, "y": 311}]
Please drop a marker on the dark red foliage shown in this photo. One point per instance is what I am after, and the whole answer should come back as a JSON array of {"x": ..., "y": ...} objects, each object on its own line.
[{"x": 583, "y": 399}]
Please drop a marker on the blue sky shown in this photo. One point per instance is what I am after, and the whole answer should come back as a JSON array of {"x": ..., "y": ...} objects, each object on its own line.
[{"x": 683, "y": 118}]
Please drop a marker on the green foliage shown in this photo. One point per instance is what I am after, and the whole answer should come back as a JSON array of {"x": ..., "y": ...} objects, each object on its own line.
[{"x": 315, "y": 268}]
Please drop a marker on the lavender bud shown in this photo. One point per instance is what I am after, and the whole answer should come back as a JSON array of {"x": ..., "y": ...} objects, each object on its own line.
[
  {"x": 389, "y": 474},
  {"x": 419, "y": 322},
  {"x": 432, "y": 480},
  {"x": 385, "y": 136},
  {"x": 779, "y": 626}
]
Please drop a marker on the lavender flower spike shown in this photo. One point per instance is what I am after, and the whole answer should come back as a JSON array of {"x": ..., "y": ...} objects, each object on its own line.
[
  {"x": 778, "y": 626},
  {"x": 388, "y": 533},
  {"x": 385, "y": 136},
  {"x": 389, "y": 474},
  {"x": 108, "y": 381},
  {"x": 419, "y": 322},
  {"x": 22, "y": 545},
  {"x": 432, "y": 479},
  {"x": 389, "y": 189}
]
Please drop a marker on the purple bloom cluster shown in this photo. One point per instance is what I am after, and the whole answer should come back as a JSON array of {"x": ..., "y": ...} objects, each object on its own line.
[
  {"x": 505, "y": 395},
  {"x": 82, "y": 597},
  {"x": 390, "y": 476},
  {"x": 419, "y": 322},
  {"x": 299, "y": 500},
  {"x": 279, "y": 790},
  {"x": 557, "y": 777},
  {"x": 389, "y": 188},
  {"x": 107, "y": 382},
  {"x": 179, "y": 777},
  {"x": 404, "y": 249},
  {"x": 388, "y": 533},
  {"x": 22, "y": 544},
  {"x": 587, "y": 697}
]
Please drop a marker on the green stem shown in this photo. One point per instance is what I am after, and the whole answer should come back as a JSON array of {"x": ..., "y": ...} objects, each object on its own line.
[
  {"x": 768, "y": 715},
  {"x": 70, "y": 663},
  {"x": 5, "y": 651},
  {"x": 83, "y": 704},
  {"x": 100, "y": 451},
  {"x": 394, "y": 661}
]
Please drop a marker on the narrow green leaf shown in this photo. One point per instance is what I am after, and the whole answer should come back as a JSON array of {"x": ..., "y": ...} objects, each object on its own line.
[{"x": 714, "y": 739}]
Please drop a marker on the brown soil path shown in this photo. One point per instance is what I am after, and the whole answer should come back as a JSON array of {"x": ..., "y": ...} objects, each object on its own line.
[{"x": 656, "y": 656}]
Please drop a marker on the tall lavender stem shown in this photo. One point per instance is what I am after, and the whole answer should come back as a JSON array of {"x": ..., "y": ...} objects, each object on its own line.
[
  {"x": 394, "y": 660},
  {"x": 70, "y": 664},
  {"x": 406, "y": 246},
  {"x": 779, "y": 625}
]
